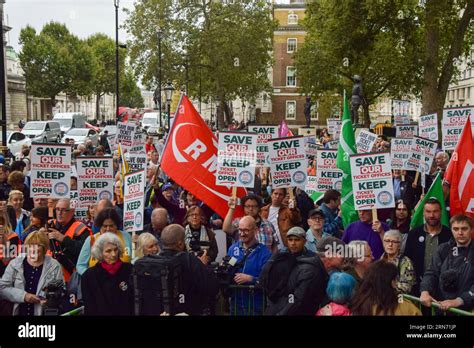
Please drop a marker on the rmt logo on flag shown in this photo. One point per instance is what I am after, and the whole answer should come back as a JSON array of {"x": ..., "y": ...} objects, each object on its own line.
[{"x": 190, "y": 159}]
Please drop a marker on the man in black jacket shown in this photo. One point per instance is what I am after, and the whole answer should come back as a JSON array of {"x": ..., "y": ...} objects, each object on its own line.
[
  {"x": 200, "y": 286},
  {"x": 300, "y": 276},
  {"x": 423, "y": 241},
  {"x": 450, "y": 278}
]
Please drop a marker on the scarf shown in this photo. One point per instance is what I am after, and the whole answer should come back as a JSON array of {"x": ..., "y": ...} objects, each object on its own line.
[
  {"x": 188, "y": 236},
  {"x": 112, "y": 269}
]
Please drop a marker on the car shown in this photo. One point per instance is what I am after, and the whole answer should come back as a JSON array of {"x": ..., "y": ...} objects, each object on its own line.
[
  {"x": 153, "y": 130},
  {"x": 42, "y": 131},
  {"x": 16, "y": 140},
  {"x": 80, "y": 135}
]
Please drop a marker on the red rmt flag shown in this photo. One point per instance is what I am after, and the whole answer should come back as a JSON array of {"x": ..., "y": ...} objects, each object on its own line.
[
  {"x": 190, "y": 159},
  {"x": 460, "y": 173}
]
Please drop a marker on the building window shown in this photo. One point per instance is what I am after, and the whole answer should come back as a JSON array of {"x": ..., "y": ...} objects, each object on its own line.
[
  {"x": 291, "y": 45},
  {"x": 292, "y": 19},
  {"x": 290, "y": 110},
  {"x": 290, "y": 76},
  {"x": 468, "y": 92}
]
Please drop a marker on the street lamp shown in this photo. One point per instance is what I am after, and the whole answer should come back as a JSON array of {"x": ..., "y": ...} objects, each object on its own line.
[
  {"x": 3, "y": 86},
  {"x": 116, "y": 4},
  {"x": 159, "y": 34},
  {"x": 169, "y": 94}
]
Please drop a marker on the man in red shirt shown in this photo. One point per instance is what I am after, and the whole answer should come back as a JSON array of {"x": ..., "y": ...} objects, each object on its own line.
[{"x": 149, "y": 146}]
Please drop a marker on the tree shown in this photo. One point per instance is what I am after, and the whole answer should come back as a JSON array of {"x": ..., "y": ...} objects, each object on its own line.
[
  {"x": 219, "y": 49},
  {"x": 103, "y": 49},
  {"x": 353, "y": 37},
  {"x": 55, "y": 61},
  {"x": 130, "y": 94},
  {"x": 400, "y": 48}
]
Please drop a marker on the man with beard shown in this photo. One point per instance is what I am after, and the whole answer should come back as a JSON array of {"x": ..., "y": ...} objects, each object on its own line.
[{"x": 423, "y": 241}]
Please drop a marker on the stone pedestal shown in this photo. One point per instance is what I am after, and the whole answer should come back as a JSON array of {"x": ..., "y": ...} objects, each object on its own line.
[{"x": 307, "y": 131}]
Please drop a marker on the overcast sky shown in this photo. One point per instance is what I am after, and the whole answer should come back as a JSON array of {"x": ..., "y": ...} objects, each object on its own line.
[{"x": 82, "y": 17}]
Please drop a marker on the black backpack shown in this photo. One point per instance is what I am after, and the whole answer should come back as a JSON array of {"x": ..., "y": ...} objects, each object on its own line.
[
  {"x": 275, "y": 275},
  {"x": 158, "y": 283}
]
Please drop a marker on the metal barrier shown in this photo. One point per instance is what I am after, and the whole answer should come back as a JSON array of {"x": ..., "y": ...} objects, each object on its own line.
[
  {"x": 74, "y": 312},
  {"x": 435, "y": 306},
  {"x": 242, "y": 300}
]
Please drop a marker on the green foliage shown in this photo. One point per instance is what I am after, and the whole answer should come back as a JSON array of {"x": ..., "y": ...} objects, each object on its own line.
[
  {"x": 130, "y": 94},
  {"x": 225, "y": 46},
  {"x": 55, "y": 61},
  {"x": 399, "y": 47}
]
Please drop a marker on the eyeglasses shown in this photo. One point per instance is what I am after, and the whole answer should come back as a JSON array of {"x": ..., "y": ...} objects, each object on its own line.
[
  {"x": 392, "y": 241},
  {"x": 194, "y": 215},
  {"x": 317, "y": 218},
  {"x": 245, "y": 230},
  {"x": 62, "y": 210}
]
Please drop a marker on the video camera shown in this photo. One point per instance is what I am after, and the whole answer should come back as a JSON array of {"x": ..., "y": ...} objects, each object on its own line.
[
  {"x": 225, "y": 271},
  {"x": 196, "y": 246},
  {"x": 55, "y": 293}
]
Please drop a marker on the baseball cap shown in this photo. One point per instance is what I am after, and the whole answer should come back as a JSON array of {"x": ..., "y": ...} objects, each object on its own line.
[
  {"x": 166, "y": 187},
  {"x": 316, "y": 212},
  {"x": 297, "y": 232}
]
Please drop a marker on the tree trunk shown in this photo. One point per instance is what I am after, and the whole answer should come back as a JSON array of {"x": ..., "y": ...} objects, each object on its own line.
[
  {"x": 436, "y": 80},
  {"x": 220, "y": 112},
  {"x": 97, "y": 106}
]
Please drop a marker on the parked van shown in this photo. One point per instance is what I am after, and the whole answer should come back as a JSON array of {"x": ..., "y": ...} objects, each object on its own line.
[
  {"x": 70, "y": 120},
  {"x": 150, "y": 119},
  {"x": 43, "y": 131}
]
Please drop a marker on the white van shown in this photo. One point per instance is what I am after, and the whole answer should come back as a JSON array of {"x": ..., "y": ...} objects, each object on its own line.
[
  {"x": 150, "y": 119},
  {"x": 43, "y": 131},
  {"x": 70, "y": 120}
]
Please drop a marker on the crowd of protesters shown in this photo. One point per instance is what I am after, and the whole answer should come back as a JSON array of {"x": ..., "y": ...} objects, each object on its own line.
[{"x": 293, "y": 256}]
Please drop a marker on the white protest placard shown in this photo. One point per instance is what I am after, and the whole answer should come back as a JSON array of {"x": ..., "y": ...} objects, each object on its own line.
[
  {"x": 422, "y": 154},
  {"x": 428, "y": 126},
  {"x": 136, "y": 158},
  {"x": 139, "y": 139},
  {"x": 134, "y": 197},
  {"x": 401, "y": 111},
  {"x": 400, "y": 152},
  {"x": 95, "y": 179},
  {"x": 265, "y": 133},
  {"x": 334, "y": 127},
  {"x": 365, "y": 141},
  {"x": 310, "y": 146},
  {"x": 236, "y": 159},
  {"x": 406, "y": 130},
  {"x": 328, "y": 176},
  {"x": 125, "y": 135},
  {"x": 453, "y": 123},
  {"x": 79, "y": 213},
  {"x": 311, "y": 185},
  {"x": 333, "y": 144},
  {"x": 50, "y": 170},
  {"x": 372, "y": 181},
  {"x": 288, "y": 162}
]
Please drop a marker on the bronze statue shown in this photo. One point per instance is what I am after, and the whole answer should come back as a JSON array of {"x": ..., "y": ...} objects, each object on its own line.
[
  {"x": 307, "y": 111},
  {"x": 357, "y": 98}
]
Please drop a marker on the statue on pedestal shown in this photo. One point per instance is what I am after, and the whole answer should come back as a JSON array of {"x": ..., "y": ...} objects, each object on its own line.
[{"x": 357, "y": 98}]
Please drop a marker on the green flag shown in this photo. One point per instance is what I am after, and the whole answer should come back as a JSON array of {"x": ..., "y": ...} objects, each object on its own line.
[
  {"x": 345, "y": 149},
  {"x": 435, "y": 191}
]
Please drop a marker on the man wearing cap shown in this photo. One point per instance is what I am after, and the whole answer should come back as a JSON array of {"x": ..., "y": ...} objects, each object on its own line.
[
  {"x": 294, "y": 279},
  {"x": 315, "y": 232}
]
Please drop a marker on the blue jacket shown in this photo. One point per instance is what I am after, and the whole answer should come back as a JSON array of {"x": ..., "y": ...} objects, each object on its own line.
[
  {"x": 255, "y": 261},
  {"x": 244, "y": 301},
  {"x": 332, "y": 223}
]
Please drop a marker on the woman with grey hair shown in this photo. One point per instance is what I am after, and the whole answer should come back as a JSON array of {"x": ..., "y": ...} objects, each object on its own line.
[
  {"x": 106, "y": 287},
  {"x": 147, "y": 244},
  {"x": 359, "y": 259},
  {"x": 392, "y": 240}
]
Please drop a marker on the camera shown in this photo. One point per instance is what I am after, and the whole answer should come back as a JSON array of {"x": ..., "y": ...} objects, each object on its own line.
[
  {"x": 196, "y": 246},
  {"x": 225, "y": 271},
  {"x": 55, "y": 293}
]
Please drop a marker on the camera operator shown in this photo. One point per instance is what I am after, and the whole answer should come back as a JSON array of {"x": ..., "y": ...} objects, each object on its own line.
[
  {"x": 200, "y": 285},
  {"x": 39, "y": 269},
  {"x": 197, "y": 236},
  {"x": 67, "y": 235},
  {"x": 251, "y": 256},
  {"x": 450, "y": 277}
]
